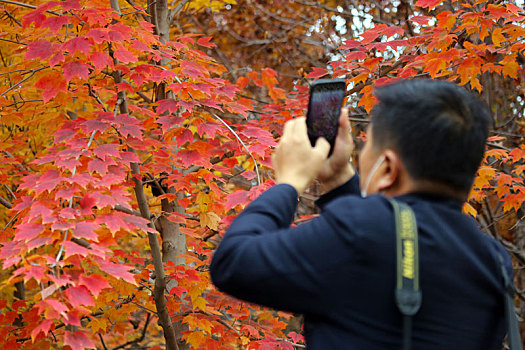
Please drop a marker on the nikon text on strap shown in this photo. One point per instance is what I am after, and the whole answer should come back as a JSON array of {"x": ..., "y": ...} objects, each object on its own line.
[{"x": 408, "y": 295}]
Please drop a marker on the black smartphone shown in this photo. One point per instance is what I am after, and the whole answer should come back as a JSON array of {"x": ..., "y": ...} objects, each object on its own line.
[{"x": 324, "y": 109}]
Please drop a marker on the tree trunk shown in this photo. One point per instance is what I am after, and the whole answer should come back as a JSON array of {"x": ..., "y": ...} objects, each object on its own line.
[{"x": 173, "y": 241}]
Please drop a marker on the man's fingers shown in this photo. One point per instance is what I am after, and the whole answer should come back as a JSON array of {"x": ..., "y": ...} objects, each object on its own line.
[
  {"x": 344, "y": 124},
  {"x": 322, "y": 147},
  {"x": 288, "y": 126}
]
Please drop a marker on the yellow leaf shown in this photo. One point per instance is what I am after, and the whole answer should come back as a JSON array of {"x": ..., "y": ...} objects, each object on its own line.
[
  {"x": 200, "y": 303},
  {"x": 194, "y": 338},
  {"x": 497, "y": 37},
  {"x": 511, "y": 69},
  {"x": 211, "y": 220},
  {"x": 468, "y": 209},
  {"x": 191, "y": 321},
  {"x": 97, "y": 324},
  {"x": 203, "y": 199}
]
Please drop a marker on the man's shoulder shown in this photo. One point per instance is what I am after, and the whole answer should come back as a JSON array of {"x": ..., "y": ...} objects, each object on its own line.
[{"x": 352, "y": 204}]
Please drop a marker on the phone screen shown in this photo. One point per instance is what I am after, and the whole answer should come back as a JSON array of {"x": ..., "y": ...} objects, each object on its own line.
[{"x": 324, "y": 108}]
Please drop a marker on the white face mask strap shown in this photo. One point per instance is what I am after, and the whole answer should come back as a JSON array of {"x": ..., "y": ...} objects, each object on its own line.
[{"x": 376, "y": 166}]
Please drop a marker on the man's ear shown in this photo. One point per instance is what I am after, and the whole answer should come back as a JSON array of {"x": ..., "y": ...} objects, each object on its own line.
[{"x": 391, "y": 171}]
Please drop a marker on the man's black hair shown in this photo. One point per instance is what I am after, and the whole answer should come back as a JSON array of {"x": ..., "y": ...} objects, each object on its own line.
[{"x": 438, "y": 128}]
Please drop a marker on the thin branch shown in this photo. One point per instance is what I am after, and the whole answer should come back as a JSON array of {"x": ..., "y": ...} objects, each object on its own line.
[
  {"x": 28, "y": 6},
  {"x": 156, "y": 183},
  {"x": 10, "y": 221},
  {"x": 95, "y": 96},
  {"x": 14, "y": 42},
  {"x": 177, "y": 10},
  {"x": 144, "y": 97},
  {"x": 123, "y": 209},
  {"x": 144, "y": 308},
  {"x": 26, "y": 78},
  {"x": 302, "y": 346},
  {"x": 13, "y": 18},
  {"x": 242, "y": 143},
  {"x": 10, "y": 192},
  {"x": 139, "y": 339},
  {"x": 102, "y": 341},
  {"x": 5, "y": 203},
  {"x": 20, "y": 166}
]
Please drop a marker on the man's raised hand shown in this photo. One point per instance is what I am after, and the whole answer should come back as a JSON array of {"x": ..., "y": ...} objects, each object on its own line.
[{"x": 295, "y": 161}]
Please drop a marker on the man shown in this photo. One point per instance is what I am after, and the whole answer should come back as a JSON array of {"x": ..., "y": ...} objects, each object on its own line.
[{"x": 424, "y": 144}]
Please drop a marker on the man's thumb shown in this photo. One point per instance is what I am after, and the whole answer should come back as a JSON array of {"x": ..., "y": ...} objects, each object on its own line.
[{"x": 322, "y": 147}]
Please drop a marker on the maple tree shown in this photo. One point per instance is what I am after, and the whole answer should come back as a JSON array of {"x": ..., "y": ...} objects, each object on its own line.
[{"x": 131, "y": 135}]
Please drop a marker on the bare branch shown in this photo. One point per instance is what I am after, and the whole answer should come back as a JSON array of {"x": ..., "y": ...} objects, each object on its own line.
[
  {"x": 139, "y": 339},
  {"x": 28, "y": 6},
  {"x": 5, "y": 203},
  {"x": 21, "y": 81},
  {"x": 102, "y": 341},
  {"x": 13, "y": 18},
  {"x": 14, "y": 42},
  {"x": 123, "y": 209}
]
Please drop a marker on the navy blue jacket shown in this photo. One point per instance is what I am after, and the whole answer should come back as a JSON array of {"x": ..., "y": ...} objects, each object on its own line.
[{"x": 339, "y": 270}]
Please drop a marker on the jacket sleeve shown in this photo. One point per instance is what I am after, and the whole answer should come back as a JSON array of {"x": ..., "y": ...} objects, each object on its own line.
[
  {"x": 262, "y": 260},
  {"x": 350, "y": 187}
]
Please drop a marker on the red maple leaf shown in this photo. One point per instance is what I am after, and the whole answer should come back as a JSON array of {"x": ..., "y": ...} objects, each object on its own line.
[
  {"x": 77, "y": 44},
  {"x": 27, "y": 232},
  {"x": 55, "y": 22},
  {"x": 101, "y": 60},
  {"x": 86, "y": 229},
  {"x": 70, "y": 5},
  {"x": 51, "y": 84},
  {"x": 76, "y": 69},
  {"x": 78, "y": 340},
  {"x": 35, "y": 16},
  {"x": 205, "y": 41},
  {"x": 422, "y": 20},
  {"x": 103, "y": 200},
  {"x": 56, "y": 59},
  {"x": 43, "y": 326},
  {"x": 184, "y": 136},
  {"x": 53, "y": 304},
  {"x": 98, "y": 165},
  {"x": 316, "y": 73},
  {"x": 71, "y": 248},
  {"x": 117, "y": 270},
  {"x": 192, "y": 69},
  {"x": 119, "y": 32},
  {"x": 94, "y": 283},
  {"x": 79, "y": 295},
  {"x": 98, "y": 35},
  {"x": 428, "y": 3},
  {"x": 39, "y": 49},
  {"x": 125, "y": 56},
  {"x": 169, "y": 105},
  {"x": 236, "y": 198},
  {"x": 113, "y": 222},
  {"x": 107, "y": 150},
  {"x": 128, "y": 126}
]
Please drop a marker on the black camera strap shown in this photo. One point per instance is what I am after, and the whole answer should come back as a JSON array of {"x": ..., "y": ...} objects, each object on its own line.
[
  {"x": 513, "y": 332},
  {"x": 408, "y": 295}
]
